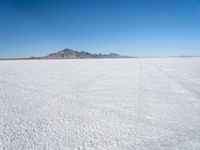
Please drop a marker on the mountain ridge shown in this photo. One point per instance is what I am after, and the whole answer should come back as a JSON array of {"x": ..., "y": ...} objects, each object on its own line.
[{"x": 73, "y": 54}]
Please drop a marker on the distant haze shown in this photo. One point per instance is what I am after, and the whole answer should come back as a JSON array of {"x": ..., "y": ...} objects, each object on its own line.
[{"x": 128, "y": 27}]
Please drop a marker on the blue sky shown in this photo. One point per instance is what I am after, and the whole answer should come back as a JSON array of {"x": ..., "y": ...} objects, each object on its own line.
[{"x": 131, "y": 27}]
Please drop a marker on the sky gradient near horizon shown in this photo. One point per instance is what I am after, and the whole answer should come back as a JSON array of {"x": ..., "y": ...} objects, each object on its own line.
[{"x": 129, "y": 27}]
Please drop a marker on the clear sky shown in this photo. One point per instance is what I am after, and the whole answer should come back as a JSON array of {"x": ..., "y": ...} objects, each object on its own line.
[{"x": 131, "y": 27}]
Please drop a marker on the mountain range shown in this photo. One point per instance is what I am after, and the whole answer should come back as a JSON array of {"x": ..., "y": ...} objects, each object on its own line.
[{"x": 72, "y": 54}]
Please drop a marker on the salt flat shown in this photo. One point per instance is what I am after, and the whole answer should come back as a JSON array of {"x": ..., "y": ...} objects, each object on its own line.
[{"x": 96, "y": 104}]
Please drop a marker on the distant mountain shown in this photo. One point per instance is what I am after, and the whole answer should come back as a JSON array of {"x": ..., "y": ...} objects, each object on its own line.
[{"x": 72, "y": 54}]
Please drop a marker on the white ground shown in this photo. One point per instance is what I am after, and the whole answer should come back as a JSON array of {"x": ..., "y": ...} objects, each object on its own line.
[{"x": 109, "y": 104}]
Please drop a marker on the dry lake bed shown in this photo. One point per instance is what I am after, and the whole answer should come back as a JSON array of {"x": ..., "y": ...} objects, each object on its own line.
[{"x": 100, "y": 104}]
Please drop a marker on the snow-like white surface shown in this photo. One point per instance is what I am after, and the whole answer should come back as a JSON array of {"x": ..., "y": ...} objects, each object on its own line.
[{"x": 109, "y": 104}]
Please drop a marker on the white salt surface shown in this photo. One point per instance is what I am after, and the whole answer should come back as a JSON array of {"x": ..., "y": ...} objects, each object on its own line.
[{"x": 97, "y": 104}]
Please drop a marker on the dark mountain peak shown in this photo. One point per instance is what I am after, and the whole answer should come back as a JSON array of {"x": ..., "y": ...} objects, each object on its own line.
[{"x": 67, "y": 50}]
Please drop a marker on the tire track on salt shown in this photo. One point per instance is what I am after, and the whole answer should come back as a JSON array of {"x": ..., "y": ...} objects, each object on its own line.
[{"x": 189, "y": 88}]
